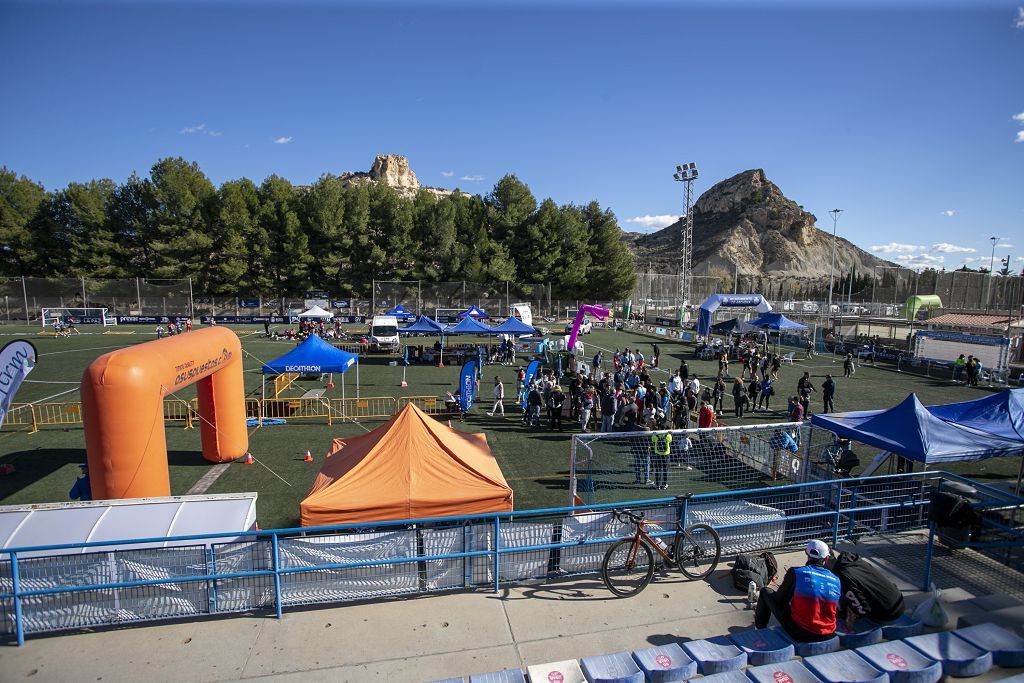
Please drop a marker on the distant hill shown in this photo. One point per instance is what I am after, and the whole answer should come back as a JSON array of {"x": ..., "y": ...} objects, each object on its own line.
[{"x": 746, "y": 220}]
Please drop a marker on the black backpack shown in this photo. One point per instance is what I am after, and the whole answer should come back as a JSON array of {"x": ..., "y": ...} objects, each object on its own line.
[{"x": 760, "y": 569}]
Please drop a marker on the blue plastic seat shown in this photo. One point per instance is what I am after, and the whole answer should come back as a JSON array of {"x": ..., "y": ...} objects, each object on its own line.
[
  {"x": 864, "y": 632},
  {"x": 1019, "y": 678},
  {"x": 903, "y": 663},
  {"x": 567, "y": 671},
  {"x": 904, "y": 627},
  {"x": 782, "y": 672},
  {"x": 958, "y": 657},
  {"x": 763, "y": 646},
  {"x": 506, "y": 676},
  {"x": 715, "y": 657},
  {"x": 617, "y": 667},
  {"x": 450, "y": 680},
  {"x": 821, "y": 647},
  {"x": 845, "y": 666},
  {"x": 1007, "y": 648},
  {"x": 726, "y": 677},
  {"x": 665, "y": 663}
]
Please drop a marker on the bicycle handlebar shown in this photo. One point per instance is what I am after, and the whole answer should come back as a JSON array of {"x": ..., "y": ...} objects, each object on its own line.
[{"x": 625, "y": 516}]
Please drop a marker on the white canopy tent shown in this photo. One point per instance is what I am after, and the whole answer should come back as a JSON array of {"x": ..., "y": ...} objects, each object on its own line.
[{"x": 316, "y": 313}]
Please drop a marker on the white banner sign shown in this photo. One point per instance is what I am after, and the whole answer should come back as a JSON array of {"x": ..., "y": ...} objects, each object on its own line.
[
  {"x": 525, "y": 313},
  {"x": 16, "y": 360}
]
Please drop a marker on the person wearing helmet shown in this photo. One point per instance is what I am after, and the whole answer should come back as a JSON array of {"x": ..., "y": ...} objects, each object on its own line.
[{"x": 807, "y": 601}]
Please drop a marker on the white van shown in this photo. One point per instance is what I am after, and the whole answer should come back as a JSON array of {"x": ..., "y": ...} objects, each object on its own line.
[{"x": 384, "y": 331}]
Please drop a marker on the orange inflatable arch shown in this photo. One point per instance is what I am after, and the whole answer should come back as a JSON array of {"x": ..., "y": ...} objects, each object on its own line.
[{"x": 122, "y": 408}]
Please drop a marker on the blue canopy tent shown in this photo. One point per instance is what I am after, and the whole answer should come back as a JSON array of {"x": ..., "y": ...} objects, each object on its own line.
[
  {"x": 473, "y": 312},
  {"x": 716, "y": 301},
  {"x": 314, "y": 355},
  {"x": 425, "y": 325},
  {"x": 733, "y": 326},
  {"x": 776, "y": 322},
  {"x": 913, "y": 431},
  {"x": 513, "y": 326},
  {"x": 400, "y": 313},
  {"x": 469, "y": 326}
]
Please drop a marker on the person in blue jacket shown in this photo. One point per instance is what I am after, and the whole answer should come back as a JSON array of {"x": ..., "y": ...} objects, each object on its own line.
[
  {"x": 807, "y": 601},
  {"x": 82, "y": 490}
]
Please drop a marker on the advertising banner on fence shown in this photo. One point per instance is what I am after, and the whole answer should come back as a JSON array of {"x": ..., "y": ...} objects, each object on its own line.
[
  {"x": 531, "y": 371},
  {"x": 149, "y": 319},
  {"x": 248, "y": 303},
  {"x": 467, "y": 385},
  {"x": 17, "y": 359},
  {"x": 272, "y": 319}
]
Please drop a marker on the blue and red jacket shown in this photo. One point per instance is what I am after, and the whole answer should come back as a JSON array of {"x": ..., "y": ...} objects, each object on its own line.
[{"x": 815, "y": 600}]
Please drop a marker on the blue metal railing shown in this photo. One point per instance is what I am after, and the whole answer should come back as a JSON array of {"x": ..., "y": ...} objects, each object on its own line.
[{"x": 839, "y": 508}]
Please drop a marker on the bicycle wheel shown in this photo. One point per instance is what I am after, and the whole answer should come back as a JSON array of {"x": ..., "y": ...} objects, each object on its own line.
[
  {"x": 698, "y": 551},
  {"x": 626, "y": 572}
]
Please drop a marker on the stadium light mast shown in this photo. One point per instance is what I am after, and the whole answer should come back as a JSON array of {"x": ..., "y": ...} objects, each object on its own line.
[
  {"x": 991, "y": 263},
  {"x": 686, "y": 174},
  {"x": 831, "y": 270}
]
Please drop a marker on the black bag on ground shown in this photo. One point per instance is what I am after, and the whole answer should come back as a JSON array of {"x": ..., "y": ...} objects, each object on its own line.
[{"x": 760, "y": 569}]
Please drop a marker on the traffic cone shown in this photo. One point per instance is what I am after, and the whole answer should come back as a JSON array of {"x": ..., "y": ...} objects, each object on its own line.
[
  {"x": 248, "y": 459},
  {"x": 404, "y": 384},
  {"x": 449, "y": 424},
  {"x": 308, "y": 458}
]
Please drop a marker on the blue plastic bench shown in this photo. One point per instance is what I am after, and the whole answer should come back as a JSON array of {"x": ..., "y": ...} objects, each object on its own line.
[
  {"x": 618, "y": 667},
  {"x": 763, "y": 646},
  {"x": 904, "y": 627},
  {"x": 1007, "y": 648},
  {"x": 958, "y": 657},
  {"x": 726, "y": 677},
  {"x": 845, "y": 666},
  {"x": 567, "y": 671},
  {"x": 665, "y": 663},
  {"x": 715, "y": 657},
  {"x": 506, "y": 676},
  {"x": 864, "y": 632},
  {"x": 821, "y": 647},
  {"x": 782, "y": 672},
  {"x": 903, "y": 663}
]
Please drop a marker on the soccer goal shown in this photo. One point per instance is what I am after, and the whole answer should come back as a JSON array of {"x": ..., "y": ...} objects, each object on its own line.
[
  {"x": 76, "y": 316},
  {"x": 620, "y": 466}
]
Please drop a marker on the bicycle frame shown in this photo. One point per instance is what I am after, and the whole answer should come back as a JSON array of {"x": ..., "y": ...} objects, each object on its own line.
[{"x": 651, "y": 541}]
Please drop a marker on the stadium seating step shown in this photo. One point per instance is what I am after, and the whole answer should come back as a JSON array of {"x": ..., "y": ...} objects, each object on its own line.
[
  {"x": 864, "y": 632},
  {"x": 903, "y": 663},
  {"x": 716, "y": 657},
  {"x": 725, "y": 677},
  {"x": 822, "y": 647},
  {"x": 1019, "y": 678},
  {"x": 904, "y": 627},
  {"x": 506, "y": 676},
  {"x": 781, "y": 672},
  {"x": 665, "y": 663},
  {"x": 566, "y": 672},
  {"x": 763, "y": 646},
  {"x": 617, "y": 667},
  {"x": 450, "y": 680},
  {"x": 958, "y": 657},
  {"x": 1007, "y": 648},
  {"x": 1009, "y": 618},
  {"x": 845, "y": 666}
]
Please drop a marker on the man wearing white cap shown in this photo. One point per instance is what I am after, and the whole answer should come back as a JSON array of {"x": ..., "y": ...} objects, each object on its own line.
[{"x": 806, "y": 602}]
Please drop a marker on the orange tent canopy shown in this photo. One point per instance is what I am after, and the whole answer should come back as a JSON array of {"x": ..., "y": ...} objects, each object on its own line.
[{"x": 412, "y": 467}]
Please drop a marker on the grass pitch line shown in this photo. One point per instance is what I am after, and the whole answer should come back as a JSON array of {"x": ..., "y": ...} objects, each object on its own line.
[{"x": 96, "y": 348}]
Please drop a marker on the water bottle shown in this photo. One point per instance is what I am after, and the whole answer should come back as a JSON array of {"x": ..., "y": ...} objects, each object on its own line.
[{"x": 751, "y": 593}]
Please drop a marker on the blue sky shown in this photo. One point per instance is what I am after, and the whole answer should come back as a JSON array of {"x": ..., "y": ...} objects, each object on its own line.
[{"x": 900, "y": 113}]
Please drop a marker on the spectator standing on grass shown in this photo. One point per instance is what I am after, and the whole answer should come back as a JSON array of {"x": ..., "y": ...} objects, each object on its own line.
[
  {"x": 958, "y": 367},
  {"x": 675, "y": 385},
  {"x": 753, "y": 392},
  {"x": 684, "y": 371},
  {"x": 767, "y": 389},
  {"x": 739, "y": 396},
  {"x": 718, "y": 394},
  {"x": 608, "y": 408},
  {"x": 971, "y": 370},
  {"x": 533, "y": 403},
  {"x": 498, "y": 394},
  {"x": 848, "y": 365},
  {"x": 828, "y": 392},
  {"x": 82, "y": 490},
  {"x": 796, "y": 410},
  {"x": 586, "y": 407},
  {"x": 706, "y": 417},
  {"x": 556, "y": 405},
  {"x": 656, "y": 352},
  {"x": 695, "y": 385},
  {"x": 776, "y": 365},
  {"x": 804, "y": 389}
]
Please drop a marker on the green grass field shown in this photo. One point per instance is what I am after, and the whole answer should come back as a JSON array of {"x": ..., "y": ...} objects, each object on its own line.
[{"x": 535, "y": 463}]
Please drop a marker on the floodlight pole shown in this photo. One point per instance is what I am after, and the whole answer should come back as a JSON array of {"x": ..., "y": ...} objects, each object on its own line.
[
  {"x": 686, "y": 174},
  {"x": 991, "y": 263},
  {"x": 831, "y": 271}
]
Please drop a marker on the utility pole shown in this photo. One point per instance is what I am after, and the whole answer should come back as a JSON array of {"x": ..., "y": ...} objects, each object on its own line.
[
  {"x": 831, "y": 271},
  {"x": 991, "y": 273}
]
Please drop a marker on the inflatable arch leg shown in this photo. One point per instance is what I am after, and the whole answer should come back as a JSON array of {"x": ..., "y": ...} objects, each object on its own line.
[
  {"x": 122, "y": 408},
  {"x": 599, "y": 312}
]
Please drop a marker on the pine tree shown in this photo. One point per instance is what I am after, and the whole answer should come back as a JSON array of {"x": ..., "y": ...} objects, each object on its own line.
[
  {"x": 20, "y": 199},
  {"x": 182, "y": 200},
  {"x": 612, "y": 274},
  {"x": 236, "y": 253},
  {"x": 323, "y": 216},
  {"x": 289, "y": 257}
]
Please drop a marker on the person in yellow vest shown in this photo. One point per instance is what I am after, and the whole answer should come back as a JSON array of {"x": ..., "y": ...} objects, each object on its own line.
[{"x": 661, "y": 447}]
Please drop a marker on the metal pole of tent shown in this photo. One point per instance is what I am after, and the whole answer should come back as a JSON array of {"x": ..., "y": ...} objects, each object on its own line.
[
  {"x": 357, "y": 376},
  {"x": 24, "y": 293},
  {"x": 1020, "y": 476}
]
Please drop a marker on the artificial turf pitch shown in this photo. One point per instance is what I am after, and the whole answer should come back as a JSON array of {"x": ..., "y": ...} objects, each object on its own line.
[{"x": 535, "y": 462}]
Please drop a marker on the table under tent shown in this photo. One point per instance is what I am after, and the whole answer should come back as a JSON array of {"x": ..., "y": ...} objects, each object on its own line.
[{"x": 313, "y": 356}]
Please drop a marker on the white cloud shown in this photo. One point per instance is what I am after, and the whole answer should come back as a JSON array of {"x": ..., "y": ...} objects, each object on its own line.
[
  {"x": 1020, "y": 136},
  {"x": 1019, "y": 258},
  {"x": 283, "y": 140},
  {"x": 1018, "y": 23},
  {"x": 472, "y": 178},
  {"x": 897, "y": 248},
  {"x": 920, "y": 260},
  {"x": 947, "y": 248},
  {"x": 948, "y": 212},
  {"x": 215, "y": 133},
  {"x": 654, "y": 222},
  {"x": 447, "y": 174},
  {"x": 1019, "y": 118},
  {"x": 1001, "y": 245},
  {"x": 193, "y": 129}
]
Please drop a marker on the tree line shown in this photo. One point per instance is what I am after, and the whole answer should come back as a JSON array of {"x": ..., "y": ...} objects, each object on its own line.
[{"x": 277, "y": 239}]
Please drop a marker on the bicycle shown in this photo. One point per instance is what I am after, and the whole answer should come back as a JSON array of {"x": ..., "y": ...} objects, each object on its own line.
[{"x": 628, "y": 566}]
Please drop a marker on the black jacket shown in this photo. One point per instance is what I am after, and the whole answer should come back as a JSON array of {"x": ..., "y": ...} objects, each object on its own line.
[{"x": 866, "y": 590}]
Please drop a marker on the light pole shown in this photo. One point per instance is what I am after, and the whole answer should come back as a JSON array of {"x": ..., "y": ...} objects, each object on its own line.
[
  {"x": 831, "y": 270},
  {"x": 687, "y": 173},
  {"x": 991, "y": 262}
]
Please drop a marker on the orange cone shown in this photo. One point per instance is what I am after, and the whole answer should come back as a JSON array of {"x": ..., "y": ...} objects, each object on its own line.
[
  {"x": 308, "y": 458},
  {"x": 248, "y": 459}
]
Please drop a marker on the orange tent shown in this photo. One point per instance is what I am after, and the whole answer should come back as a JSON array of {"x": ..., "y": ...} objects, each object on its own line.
[{"x": 413, "y": 467}]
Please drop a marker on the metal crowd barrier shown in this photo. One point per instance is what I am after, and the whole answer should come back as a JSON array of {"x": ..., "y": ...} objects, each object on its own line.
[{"x": 75, "y": 586}]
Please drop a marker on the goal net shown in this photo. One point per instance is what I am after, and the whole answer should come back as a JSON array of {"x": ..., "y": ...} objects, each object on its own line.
[
  {"x": 76, "y": 316},
  {"x": 947, "y": 346},
  {"x": 621, "y": 466}
]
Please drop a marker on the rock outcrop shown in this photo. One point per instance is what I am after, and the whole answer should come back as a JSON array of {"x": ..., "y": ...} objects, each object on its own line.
[
  {"x": 392, "y": 170},
  {"x": 746, "y": 221}
]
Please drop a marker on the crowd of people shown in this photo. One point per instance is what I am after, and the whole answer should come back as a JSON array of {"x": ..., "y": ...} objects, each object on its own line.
[{"x": 174, "y": 328}]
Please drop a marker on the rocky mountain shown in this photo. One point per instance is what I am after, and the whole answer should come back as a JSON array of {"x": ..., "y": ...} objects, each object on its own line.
[
  {"x": 392, "y": 170},
  {"x": 746, "y": 221}
]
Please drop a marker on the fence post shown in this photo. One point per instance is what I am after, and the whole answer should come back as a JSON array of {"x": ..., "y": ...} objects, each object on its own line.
[
  {"x": 19, "y": 627},
  {"x": 277, "y": 577},
  {"x": 211, "y": 560},
  {"x": 138, "y": 295},
  {"x": 839, "y": 506},
  {"x": 35, "y": 423},
  {"x": 928, "y": 557},
  {"x": 497, "y": 556},
  {"x": 24, "y": 293},
  {"x": 85, "y": 299}
]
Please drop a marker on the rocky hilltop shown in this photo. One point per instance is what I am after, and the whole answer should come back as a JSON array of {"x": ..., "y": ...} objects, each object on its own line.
[
  {"x": 747, "y": 221},
  {"x": 392, "y": 170}
]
